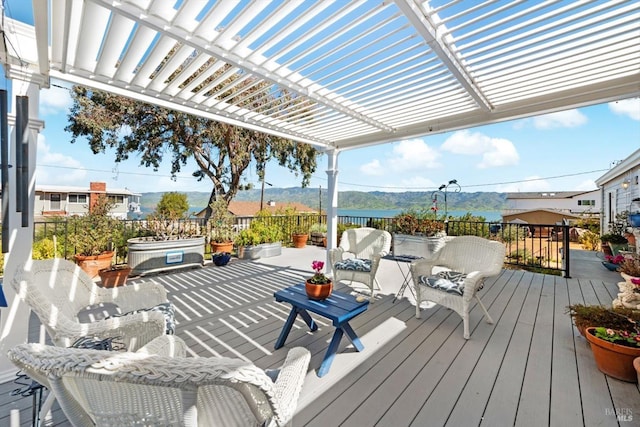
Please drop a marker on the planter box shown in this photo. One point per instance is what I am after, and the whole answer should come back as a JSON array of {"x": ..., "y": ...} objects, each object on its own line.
[
  {"x": 264, "y": 250},
  {"x": 153, "y": 256},
  {"x": 422, "y": 246}
]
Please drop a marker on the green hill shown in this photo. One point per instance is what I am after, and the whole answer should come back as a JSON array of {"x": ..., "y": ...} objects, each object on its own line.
[{"x": 479, "y": 201}]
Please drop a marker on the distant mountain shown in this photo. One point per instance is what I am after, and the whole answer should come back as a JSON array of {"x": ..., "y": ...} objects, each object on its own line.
[{"x": 479, "y": 201}]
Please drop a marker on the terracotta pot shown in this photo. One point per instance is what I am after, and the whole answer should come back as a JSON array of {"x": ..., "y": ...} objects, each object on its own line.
[
  {"x": 615, "y": 360},
  {"x": 221, "y": 247},
  {"x": 636, "y": 365},
  {"x": 318, "y": 292},
  {"x": 91, "y": 264},
  {"x": 299, "y": 240},
  {"x": 606, "y": 250},
  {"x": 113, "y": 277}
]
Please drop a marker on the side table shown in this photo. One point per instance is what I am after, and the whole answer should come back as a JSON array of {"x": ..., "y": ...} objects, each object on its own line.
[
  {"x": 406, "y": 275},
  {"x": 339, "y": 308}
]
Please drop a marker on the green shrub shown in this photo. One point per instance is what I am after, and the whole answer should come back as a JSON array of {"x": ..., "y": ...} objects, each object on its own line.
[
  {"x": 590, "y": 240},
  {"x": 44, "y": 249}
]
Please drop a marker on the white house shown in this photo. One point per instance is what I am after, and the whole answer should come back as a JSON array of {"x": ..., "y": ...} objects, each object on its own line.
[
  {"x": 570, "y": 202},
  {"x": 618, "y": 188},
  {"x": 56, "y": 200}
]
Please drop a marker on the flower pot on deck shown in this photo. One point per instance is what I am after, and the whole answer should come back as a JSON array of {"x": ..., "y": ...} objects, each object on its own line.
[
  {"x": 613, "y": 359},
  {"x": 92, "y": 264},
  {"x": 299, "y": 240},
  {"x": 114, "y": 276}
]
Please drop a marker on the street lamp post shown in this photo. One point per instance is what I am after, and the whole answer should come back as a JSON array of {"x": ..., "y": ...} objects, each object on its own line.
[{"x": 444, "y": 188}]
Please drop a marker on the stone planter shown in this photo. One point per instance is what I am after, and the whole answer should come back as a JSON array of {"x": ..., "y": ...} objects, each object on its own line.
[
  {"x": 264, "y": 250},
  {"x": 317, "y": 238},
  {"x": 153, "y": 256},
  {"x": 92, "y": 264},
  {"x": 422, "y": 246}
]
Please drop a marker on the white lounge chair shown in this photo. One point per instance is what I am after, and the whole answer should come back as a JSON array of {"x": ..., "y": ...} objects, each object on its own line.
[
  {"x": 358, "y": 256},
  {"x": 57, "y": 290},
  {"x": 102, "y": 388},
  {"x": 463, "y": 264}
]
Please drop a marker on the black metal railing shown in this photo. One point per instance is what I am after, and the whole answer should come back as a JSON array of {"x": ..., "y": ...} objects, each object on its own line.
[{"x": 536, "y": 247}]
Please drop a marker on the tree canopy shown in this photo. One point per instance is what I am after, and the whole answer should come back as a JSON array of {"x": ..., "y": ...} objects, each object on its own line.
[
  {"x": 221, "y": 151},
  {"x": 172, "y": 205}
]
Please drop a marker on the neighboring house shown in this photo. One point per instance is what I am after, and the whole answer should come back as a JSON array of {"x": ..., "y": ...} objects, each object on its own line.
[
  {"x": 540, "y": 216},
  {"x": 618, "y": 188},
  {"x": 563, "y": 204},
  {"x": 63, "y": 201}
]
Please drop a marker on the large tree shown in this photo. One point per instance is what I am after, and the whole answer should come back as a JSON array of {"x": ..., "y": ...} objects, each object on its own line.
[{"x": 222, "y": 152}]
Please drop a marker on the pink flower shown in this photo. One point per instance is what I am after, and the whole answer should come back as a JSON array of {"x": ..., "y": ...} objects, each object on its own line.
[
  {"x": 635, "y": 280},
  {"x": 317, "y": 266}
]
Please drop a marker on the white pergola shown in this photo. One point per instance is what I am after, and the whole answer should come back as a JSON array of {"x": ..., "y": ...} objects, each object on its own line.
[{"x": 361, "y": 72}]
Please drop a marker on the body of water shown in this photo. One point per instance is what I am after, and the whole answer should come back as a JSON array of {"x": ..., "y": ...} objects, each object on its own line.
[{"x": 390, "y": 213}]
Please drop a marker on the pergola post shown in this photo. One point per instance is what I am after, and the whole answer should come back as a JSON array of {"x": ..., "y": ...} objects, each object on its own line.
[
  {"x": 332, "y": 205},
  {"x": 14, "y": 319}
]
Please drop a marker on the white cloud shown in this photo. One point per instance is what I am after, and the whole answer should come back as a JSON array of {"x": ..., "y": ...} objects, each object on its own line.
[
  {"x": 494, "y": 151},
  {"x": 413, "y": 154},
  {"x": 67, "y": 171},
  {"x": 586, "y": 185},
  {"x": 627, "y": 107},
  {"x": 373, "y": 168},
  {"x": 54, "y": 100},
  {"x": 561, "y": 119}
]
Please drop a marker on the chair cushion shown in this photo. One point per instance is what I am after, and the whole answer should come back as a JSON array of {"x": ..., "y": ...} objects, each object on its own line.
[
  {"x": 165, "y": 308},
  {"x": 448, "y": 281},
  {"x": 354, "y": 264}
]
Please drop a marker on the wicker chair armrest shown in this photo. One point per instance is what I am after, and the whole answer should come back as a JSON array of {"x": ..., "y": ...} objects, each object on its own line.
[
  {"x": 288, "y": 384},
  {"x": 165, "y": 345},
  {"x": 421, "y": 267},
  {"x": 133, "y": 297},
  {"x": 135, "y": 330},
  {"x": 471, "y": 283},
  {"x": 335, "y": 255}
]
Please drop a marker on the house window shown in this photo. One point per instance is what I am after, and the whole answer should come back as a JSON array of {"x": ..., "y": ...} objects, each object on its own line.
[
  {"x": 78, "y": 198},
  {"x": 117, "y": 199},
  {"x": 54, "y": 201},
  {"x": 586, "y": 202}
]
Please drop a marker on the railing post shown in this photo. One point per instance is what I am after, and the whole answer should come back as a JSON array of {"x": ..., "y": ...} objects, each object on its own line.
[{"x": 566, "y": 252}]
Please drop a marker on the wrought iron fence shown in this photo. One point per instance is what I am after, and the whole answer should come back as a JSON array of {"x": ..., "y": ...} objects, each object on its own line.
[{"x": 537, "y": 247}]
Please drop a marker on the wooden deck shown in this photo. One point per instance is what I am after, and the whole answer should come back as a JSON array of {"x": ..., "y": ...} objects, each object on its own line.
[{"x": 531, "y": 368}]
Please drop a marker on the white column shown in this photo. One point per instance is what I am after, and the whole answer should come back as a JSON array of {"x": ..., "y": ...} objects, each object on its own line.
[
  {"x": 332, "y": 208},
  {"x": 14, "y": 319}
]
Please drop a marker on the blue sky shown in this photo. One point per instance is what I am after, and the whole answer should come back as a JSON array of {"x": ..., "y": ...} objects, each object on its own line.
[{"x": 567, "y": 150}]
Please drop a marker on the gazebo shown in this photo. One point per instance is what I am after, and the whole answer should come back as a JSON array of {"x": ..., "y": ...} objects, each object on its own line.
[{"x": 360, "y": 72}]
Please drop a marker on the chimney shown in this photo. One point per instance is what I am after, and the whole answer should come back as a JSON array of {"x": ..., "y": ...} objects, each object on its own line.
[{"x": 95, "y": 190}]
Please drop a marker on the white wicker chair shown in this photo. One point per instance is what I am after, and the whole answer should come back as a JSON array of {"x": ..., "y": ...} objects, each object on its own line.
[
  {"x": 476, "y": 257},
  {"x": 366, "y": 246},
  {"x": 101, "y": 388},
  {"x": 57, "y": 290}
]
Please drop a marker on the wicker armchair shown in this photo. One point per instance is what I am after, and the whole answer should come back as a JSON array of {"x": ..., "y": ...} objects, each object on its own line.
[
  {"x": 101, "y": 388},
  {"x": 456, "y": 272},
  {"x": 57, "y": 290},
  {"x": 366, "y": 247}
]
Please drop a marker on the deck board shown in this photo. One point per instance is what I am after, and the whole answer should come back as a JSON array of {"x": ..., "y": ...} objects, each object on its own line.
[{"x": 530, "y": 368}]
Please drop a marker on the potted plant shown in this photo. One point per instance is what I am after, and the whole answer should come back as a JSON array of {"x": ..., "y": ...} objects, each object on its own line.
[
  {"x": 173, "y": 240},
  {"x": 222, "y": 232},
  {"x": 585, "y": 316},
  {"x": 114, "y": 276},
  {"x": 92, "y": 235},
  {"x": 319, "y": 286},
  {"x": 221, "y": 258},
  {"x": 611, "y": 262},
  {"x": 613, "y": 335},
  {"x": 318, "y": 233},
  {"x": 299, "y": 235},
  {"x": 417, "y": 233},
  {"x": 261, "y": 240}
]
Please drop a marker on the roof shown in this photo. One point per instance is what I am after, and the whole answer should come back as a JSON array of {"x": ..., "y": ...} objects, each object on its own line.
[
  {"x": 246, "y": 208},
  {"x": 562, "y": 213},
  {"x": 548, "y": 194},
  {"x": 79, "y": 189},
  {"x": 358, "y": 72},
  {"x": 626, "y": 165}
]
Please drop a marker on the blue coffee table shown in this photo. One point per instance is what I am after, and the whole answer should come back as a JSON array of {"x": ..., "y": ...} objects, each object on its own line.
[{"x": 339, "y": 308}]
